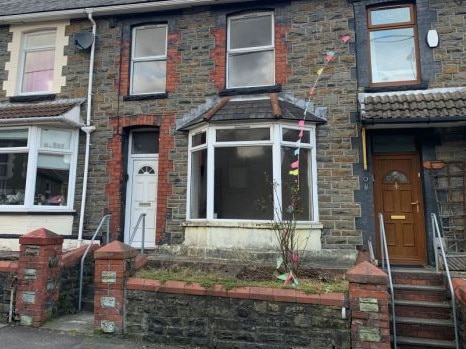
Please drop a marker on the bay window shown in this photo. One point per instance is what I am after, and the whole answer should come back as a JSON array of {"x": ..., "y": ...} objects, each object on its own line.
[
  {"x": 37, "y": 168},
  {"x": 243, "y": 173}
]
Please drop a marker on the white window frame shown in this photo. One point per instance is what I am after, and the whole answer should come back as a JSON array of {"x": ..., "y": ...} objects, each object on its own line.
[
  {"x": 276, "y": 142},
  {"x": 157, "y": 58},
  {"x": 25, "y": 50},
  {"x": 33, "y": 150},
  {"x": 232, "y": 52}
]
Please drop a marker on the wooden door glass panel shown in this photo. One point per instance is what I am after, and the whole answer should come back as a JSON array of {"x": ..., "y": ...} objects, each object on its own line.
[{"x": 395, "y": 176}]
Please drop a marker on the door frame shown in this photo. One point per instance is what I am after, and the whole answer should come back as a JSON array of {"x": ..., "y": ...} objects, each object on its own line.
[
  {"x": 129, "y": 185},
  {"x": 420, "y": 220}
]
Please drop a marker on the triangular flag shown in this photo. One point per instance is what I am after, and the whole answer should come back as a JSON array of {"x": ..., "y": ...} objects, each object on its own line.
[
  {"x": 345, "y": 39},
  {"x": 319, "y": 71},
  {"x": 295, "y": 164},
  {"x": 296, "y": 152},
  {"x": 294, "y": 172},
  {"x": 282, "y": 277},
  {"x": 312, "y": 90},
  {"x": 301, "y": 123},
  {"x": 328, "y": 58},
  {"x": 301, "y": 133}
]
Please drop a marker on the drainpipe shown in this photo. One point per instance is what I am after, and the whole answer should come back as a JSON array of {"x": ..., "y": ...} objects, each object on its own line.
[{"x": 88, "y": 129}]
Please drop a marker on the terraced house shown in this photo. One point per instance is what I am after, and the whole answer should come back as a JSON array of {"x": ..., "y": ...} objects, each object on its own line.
[{"x": 187, "y": 112}]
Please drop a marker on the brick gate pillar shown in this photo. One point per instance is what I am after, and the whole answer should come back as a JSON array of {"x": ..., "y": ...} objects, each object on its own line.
[
  {"x": 114, "y": 263},
  {"x": 38, "y": 276},
  {"x": 370, "y": 318}
]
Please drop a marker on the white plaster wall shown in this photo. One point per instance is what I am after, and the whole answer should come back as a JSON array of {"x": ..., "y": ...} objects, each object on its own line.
[
  {"x": 14, "y": 47},
  {"x": 246, "y": 235}
]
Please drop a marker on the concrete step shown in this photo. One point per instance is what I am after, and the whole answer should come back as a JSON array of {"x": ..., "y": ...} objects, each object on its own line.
[{"x": 420, "y": 343}]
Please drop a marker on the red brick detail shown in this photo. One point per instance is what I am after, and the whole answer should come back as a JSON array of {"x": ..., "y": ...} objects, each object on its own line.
[
  {"x": 173, "y": 60},
  {"x": 40, "y": 250},
  {"x": 8, "y": 267},
  {"x": 218, "y": 55},
  {"x": 114, "y": 263},
  {"x": 368, "y": 281},
  {"x": 115, "y": 166},
  {"x": 282, "y": 70},
  {"x": 124, "y": 60},
  {"x": 257, "y": 293}
]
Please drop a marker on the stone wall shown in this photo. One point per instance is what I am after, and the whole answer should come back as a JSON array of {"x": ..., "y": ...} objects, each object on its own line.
[
  {"x": 7, "y": 279},
  {"x": 178, "y": 313}
]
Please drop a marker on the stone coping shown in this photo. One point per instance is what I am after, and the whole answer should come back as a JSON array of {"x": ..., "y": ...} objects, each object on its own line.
[
  {"x": 256, "y": 293},
  {"x": 8, "y": 266},
  {"x": 72, "y": 257}
]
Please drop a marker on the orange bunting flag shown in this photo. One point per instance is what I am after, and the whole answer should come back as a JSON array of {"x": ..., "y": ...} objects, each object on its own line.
[
  {"x": 312, "y": 90},
  {"x": 294, "y": 172},
  {"x": 295, "y": 164},
  {"x": 345, "y": 39}
]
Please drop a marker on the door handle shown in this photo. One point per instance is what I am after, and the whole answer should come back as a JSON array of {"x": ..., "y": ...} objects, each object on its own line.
[{"x": 417, "y": 205}]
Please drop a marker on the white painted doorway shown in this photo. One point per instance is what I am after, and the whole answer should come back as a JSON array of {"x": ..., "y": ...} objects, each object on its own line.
[{"x": 141, "y": 191}]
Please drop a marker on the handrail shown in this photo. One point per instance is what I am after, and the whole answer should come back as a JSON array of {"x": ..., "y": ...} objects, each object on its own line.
[
  {"x": 142, "y": 217},
  {"x": 385, "y": 257},
  {"x": 435, "y": 226},
  {"x": 81, "y": 271}
]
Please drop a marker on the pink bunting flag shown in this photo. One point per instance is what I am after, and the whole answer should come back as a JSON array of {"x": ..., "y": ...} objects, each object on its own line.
[
  {"x": 329, "y": 57},
  {"x": 301, "y": 123},
  {"x": 312, "y": 90},
  {"x": 295, "y": 164},
  {"x": 301, "y": 133},
  {"x": 345, "y": 39}
]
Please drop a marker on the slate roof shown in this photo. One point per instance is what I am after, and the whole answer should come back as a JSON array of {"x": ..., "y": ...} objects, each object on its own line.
[
  {"x": 269, "y": 107},
  {"x": 17, "y": 7},
  {"x": 41, "y": 111},
  {"x": 434, "y": 105}
]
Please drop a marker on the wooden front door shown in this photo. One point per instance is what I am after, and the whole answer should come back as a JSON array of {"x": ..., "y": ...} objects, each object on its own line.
[{"x": 398, "y": 196}]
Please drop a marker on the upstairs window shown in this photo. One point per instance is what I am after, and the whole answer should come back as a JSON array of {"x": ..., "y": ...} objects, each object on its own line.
[
  {"x": 149, "y": 60},
  {"x": 394, "y": 56},
  {"x": 251, "y": 52},
  {"x": 38, "y": 62}
]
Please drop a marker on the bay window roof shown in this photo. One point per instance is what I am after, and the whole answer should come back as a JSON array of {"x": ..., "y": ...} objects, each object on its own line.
[
  {"x": 61, "y": 111},
  {"x": 273, "y": 106}
]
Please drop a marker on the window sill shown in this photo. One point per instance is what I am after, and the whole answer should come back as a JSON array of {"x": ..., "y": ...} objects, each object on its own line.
[
  {"x": 145, "y": 97},
  {"x": 249, "y": 90},
  {"x": 374, "y": 89},
  {"x": 32, "y": 98},
  {"x": 26, "y": 212},
  {"x": 232, "y": 223}
]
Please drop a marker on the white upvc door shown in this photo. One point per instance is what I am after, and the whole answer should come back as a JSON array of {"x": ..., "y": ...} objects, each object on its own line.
[{"x": 141, "y": 198}]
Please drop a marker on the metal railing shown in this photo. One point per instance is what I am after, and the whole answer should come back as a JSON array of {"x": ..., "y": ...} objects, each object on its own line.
[
  {"x": 386, "y": 258},
  {"x": 438, "y": 237},
  {"x": 106, "y": 219},
  {"x": 142, "y": 217}
]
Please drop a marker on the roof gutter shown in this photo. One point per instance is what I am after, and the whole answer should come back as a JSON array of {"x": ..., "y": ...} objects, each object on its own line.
[
  {"x": 424, "y": 122},
  {"x": 153, "y": 6}
]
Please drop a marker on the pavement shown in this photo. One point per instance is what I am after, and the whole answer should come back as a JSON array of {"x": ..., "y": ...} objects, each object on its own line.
[{"x": 69, "y": 332}]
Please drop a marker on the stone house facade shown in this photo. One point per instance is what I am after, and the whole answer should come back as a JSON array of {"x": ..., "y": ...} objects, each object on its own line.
[{"x": 189, "y": 112}]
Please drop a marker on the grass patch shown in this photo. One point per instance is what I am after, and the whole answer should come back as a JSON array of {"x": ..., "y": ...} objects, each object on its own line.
[{"x": 228, "y": 279}]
